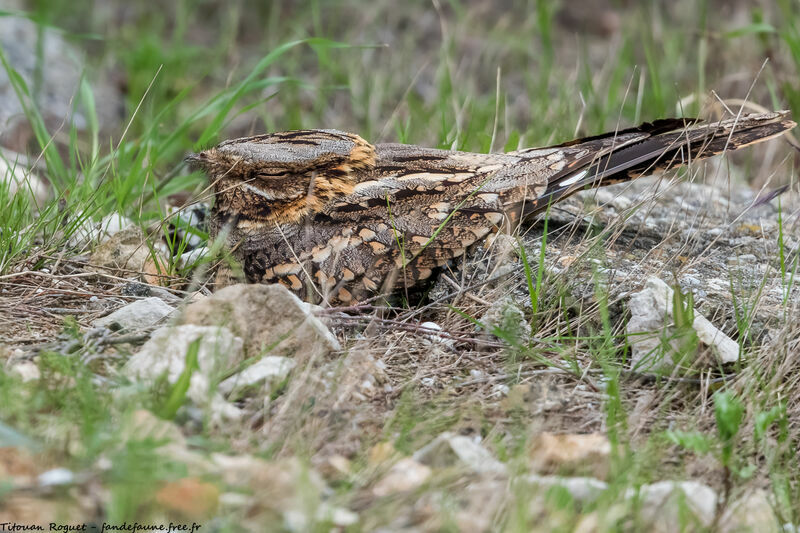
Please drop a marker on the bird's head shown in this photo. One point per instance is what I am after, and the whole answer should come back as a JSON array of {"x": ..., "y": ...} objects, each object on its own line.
[{"x": 283, "y": 177}]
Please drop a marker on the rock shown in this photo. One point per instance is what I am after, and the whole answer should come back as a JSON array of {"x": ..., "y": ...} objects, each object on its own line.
[
  {"x": 190, "y": 258},
  {"x": 431, "y": 325},
  {"x": 32, "y": 48},
  {"x": 56, "y": 477},
  {"x": 268, "y": 318},
  {"x": 17, "y": 177},
  {"x": 338, "y": 516},
  {"x": 406, "y": 475},
  {"x": 650, "y": 323},
  {"x": 136, "y": 315},
  {"x": 93, "y": 231},
  {"x": 448, "y": 450},
  {"x": 500, "y": 390},
  {"x": 725, "y": 349},
  {"x": 165, "y": 353},
  {"x": 750, "y": 512},
  {"x": 571, "y": 453},
  {"x": 582, "y": 489},
  {"x": 301, "y": 520},
  {"x": 265, "y": 372},
  {"x": 663, "y": 505},
  {"x": 127, "y": 251},
  {"x": 26, "y": 370}
]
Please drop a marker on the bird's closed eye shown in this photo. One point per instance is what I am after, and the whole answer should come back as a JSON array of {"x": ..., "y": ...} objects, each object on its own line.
[{"x": 271, "y": 173}]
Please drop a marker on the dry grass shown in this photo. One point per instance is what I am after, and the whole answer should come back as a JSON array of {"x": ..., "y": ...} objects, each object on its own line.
[{"x": 474, "y": 358}]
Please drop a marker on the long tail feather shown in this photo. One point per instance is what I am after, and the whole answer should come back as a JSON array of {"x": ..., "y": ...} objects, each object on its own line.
[{"x": 664, "y": 148}]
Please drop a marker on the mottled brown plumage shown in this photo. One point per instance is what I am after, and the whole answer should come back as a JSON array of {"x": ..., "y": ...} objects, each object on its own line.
[{"x": 338, "y": 220}]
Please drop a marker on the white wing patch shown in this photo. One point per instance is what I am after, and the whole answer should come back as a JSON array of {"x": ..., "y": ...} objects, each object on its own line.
[{"x": 574, "y": 179}]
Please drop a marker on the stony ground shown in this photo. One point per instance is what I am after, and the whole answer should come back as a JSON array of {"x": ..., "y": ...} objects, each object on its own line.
[
  {"x": 628, "y": 365},
  {"x": 339, "y": 387}
]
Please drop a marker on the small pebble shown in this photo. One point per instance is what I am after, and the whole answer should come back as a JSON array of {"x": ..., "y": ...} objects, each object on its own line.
[
  {"x": 500, "y": 390},
  {"x": 57, "y": 476}
]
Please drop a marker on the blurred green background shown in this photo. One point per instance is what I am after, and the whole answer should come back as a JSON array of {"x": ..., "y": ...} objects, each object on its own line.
[
  {"x": 447, "y": 73},
  {"x": 109, "y": 96}
]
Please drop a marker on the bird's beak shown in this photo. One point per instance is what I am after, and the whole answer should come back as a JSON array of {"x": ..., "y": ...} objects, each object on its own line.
[{"x": 197, "y": 161}]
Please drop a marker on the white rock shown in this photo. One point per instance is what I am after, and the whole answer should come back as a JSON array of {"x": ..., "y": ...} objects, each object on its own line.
[
  {"x": 449, "y": 449},
  {"x": 192, "y": 256},
  {"x": 33, "y": 50},
  {"x": 298, "y": 519},
  {"x": 266, "y": 317},
  {"x": 662, "y": 503},
  {"x": 55, "y": 477},
  {"x": 27, "y": 370},
  {"x": 165, "y": 353},
  {"x": 18, "y": 178},
  {"x": 268, "y": 370},
  {"x": 582, "y": 489},
  {"x": 651, "y": 321},
  {"x": 338, "y": 516},
  {"x": 750, "y": 512},
  {"x": 725, "y": 349},
  {"x": 136, "y": 315},
  {"x": 500, "y": 390},
  {"x": 93, "y": 231}
]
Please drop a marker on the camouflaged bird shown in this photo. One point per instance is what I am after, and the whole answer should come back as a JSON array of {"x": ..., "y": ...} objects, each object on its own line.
[{"x": 338, "y": 220}]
